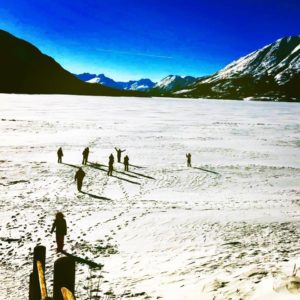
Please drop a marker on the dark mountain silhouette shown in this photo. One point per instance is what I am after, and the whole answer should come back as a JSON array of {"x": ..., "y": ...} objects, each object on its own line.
[{"x": 26, "y": 70}]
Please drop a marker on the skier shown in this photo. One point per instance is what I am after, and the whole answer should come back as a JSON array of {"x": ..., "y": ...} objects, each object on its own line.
[
  {"x": 85, "y": 155},
  {"x": 110, "y": 165},
  {"x": 189, "y": 159},
  {"x": 60, "y": 154},
  {"x": 126, "y": 163},
  {"x": 60, "y": 227},
  {"x": 79, "y": 177},
  {"x": 119, "y": 153}
]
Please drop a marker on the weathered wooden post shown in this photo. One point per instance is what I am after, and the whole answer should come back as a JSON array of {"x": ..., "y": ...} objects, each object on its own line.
[
  {"x": 64, "y": 276},
  {"x": 39, "y": 254},
  {"x": 67, "y": 295},
  {"x": 42, "y": 282}
]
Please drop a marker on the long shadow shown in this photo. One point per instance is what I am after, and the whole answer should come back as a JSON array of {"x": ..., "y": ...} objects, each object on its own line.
[
  {"x": 9, "y": 240},
  {"x": 126, "y": 174},
  {"x": 83, "y": 260},
  {"x": 206, "y": 170},
  {"x": 95, "y": 166},
  {"x": 138, "y": 167},
  {"x": 126, "y": 179},
  {"x": 70, "y": 165},
  {"x": 95, "y": 196},
  {"x": 139, "y": 174}
]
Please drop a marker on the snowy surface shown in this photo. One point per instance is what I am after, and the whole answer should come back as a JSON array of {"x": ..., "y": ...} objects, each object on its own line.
[{"x": 228, "y": 228}]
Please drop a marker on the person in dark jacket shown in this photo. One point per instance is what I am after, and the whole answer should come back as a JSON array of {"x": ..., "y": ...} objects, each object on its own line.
[
  {"x": 110, "y": 165},
  {"x": 189, "y": 159},
  {"x": 60, "y": 227},
  {"x": 126, "y": 163},
  {"x": 79, "y": 178},
  {"x": 119, "y": 153},
  {"x": 85, "y": 155},
  {"x": 60, "y": 154}
]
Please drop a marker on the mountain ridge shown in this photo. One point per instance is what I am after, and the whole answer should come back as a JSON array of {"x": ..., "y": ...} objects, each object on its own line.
[
  {"x": 269, "y": 73},
  {"x": 143, "y": 84},
  {"x": 27, "y": 70}
]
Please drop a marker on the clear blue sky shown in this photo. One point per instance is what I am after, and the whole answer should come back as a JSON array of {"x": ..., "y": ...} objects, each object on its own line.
[{"x": 131, "y": 39}]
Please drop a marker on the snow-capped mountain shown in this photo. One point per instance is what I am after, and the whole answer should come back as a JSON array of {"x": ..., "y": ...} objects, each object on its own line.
[
  {"x": 132, "y": 85},
  {"x": 143, "y": 84},
  {"x": 281, "y": 60},
  {"x": 173, "y": 83},
  {"x": 272, "y": 72}
]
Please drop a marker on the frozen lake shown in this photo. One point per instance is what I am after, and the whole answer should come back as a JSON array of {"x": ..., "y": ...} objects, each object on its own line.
[{"x": 226, "y": 228}]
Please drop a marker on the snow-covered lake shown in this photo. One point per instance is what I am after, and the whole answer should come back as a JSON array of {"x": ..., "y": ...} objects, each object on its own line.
[{"x": 226, "y": 228}]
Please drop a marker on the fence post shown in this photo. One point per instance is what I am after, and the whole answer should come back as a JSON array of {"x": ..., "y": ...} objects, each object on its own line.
[
  {"x": 67, "y": 295},
  {"x": 64, "y": 276},
  {"x": 43, "y": 288},
  {"x": 39, "y": 254}
]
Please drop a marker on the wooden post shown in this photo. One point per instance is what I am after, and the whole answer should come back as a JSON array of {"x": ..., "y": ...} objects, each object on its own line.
[
  {"x": 39, "y": 254},
  {"x": 67, "y": 295},
  {"x": 64, "y": 276},
  {"x": 31, "y": 287},
  {"x": 42, "y": 282}
]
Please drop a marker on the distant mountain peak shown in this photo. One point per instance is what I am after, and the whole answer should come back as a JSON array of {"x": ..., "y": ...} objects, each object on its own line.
[
  {"x": 173, "y": 83},
  {"x": 142, "y": 85}
]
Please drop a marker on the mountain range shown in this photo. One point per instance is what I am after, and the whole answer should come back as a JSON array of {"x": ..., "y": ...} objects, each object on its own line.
[
  {"x": 25, "y": 69},
  {"x": 270, "y": 73},
  {"x": 142, "y": 85}
]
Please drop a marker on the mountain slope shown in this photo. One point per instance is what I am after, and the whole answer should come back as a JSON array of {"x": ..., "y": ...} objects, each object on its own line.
[
  {"x": 271, "y": 73},
  {"x": 172, "y": 83},
  {"x": 26, "y": 70},
  {"x": 280, "y": 60}
]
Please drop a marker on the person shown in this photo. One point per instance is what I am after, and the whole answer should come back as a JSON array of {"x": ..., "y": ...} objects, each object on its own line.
[
  {"x": 60, "y": 154},
  {"x": 60, "y": 227},
  {"x": 119, "y": 153},
  {"x": 126, "y": 163},
  {"x": 189, "y": 159},
  {"x": 79, "y": 177},
  {"x": 85, "y": 155},
  {"x": 110, "y": 165}
]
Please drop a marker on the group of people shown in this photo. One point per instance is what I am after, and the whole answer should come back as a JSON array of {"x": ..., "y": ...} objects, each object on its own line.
[
  {"x": 111, "y": 160},
  {"x": 59, "y": 224},
  {"x": 80, "y": 174}
]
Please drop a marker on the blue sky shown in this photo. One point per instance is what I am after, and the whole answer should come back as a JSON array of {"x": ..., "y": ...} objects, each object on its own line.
[{"x": 137, "y": 39}]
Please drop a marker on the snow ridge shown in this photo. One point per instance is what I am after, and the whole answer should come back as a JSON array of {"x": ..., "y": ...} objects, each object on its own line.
[{"x": 280, "y": 60}]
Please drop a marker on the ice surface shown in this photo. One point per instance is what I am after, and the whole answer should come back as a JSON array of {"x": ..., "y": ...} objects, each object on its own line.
[{"x": 226, "y": 228}]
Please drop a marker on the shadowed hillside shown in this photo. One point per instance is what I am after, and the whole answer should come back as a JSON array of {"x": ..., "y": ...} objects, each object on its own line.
[{"x": 24, "y": 69}]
